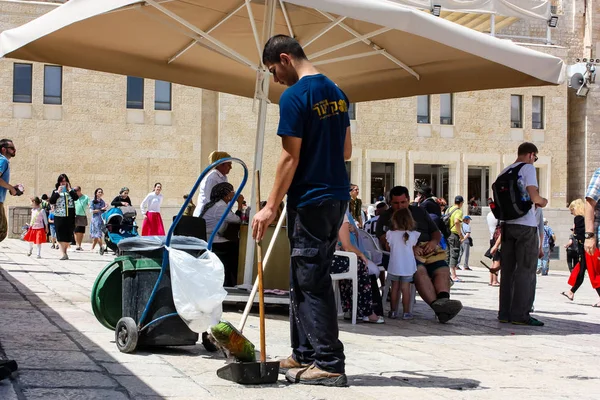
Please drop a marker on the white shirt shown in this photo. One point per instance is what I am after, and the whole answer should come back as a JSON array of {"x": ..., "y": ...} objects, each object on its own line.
[
  {"x": 206, "y": 186},
  {"x": 212, "y": 217},
  {"x": 151, "y": 203},
  {"x": 492, "y": 223},
  {"x": 528, "y": 178},
  {"x": 402, "y": 257}
]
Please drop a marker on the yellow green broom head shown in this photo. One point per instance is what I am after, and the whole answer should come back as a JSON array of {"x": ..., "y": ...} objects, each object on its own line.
[{"x": 234, "y": 341}]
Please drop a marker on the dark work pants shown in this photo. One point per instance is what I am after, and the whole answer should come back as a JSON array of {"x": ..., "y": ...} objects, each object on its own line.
[
  {"x": 313, "y": 232},
  {"x": 520, "y": 248}
]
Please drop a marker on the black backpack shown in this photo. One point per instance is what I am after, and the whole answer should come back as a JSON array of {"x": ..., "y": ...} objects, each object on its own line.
[{"x": 509, "y": 201}]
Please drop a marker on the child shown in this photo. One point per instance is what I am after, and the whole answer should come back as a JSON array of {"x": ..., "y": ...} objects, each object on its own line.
[
  {"x": 52, "y": 228},
  {"x": 36, "y": 233},
  {"x": 402, "y": 266}
]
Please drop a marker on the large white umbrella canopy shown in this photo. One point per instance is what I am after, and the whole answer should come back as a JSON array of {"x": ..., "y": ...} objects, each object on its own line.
[{"x": 373, "y": 49}]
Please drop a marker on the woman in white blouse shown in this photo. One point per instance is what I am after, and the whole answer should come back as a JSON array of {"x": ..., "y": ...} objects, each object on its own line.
[
  {"x": 150, "y": 207},
  {"x": 214, "y": 177},
  {"x": 227, "y": 250}
]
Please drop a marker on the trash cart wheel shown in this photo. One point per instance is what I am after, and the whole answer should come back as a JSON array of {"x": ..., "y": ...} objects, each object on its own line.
[{"x": 126, "y": 335}]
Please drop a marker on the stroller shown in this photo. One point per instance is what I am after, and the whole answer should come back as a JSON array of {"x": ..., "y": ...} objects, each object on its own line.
[{"x": 119, "y": 224}]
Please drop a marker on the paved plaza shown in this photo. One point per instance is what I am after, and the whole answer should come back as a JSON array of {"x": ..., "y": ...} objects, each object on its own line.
[{"x": 47, "y": 325}]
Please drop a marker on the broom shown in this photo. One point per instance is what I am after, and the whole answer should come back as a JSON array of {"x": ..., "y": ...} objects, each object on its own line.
[{"x": 225, "y": 334}]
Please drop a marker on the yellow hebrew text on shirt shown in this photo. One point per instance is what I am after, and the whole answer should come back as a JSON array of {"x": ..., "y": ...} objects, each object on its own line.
[{"x": 328, "y": 108}]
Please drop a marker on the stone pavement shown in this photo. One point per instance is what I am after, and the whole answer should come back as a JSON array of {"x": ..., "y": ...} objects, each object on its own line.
[{"x": 46, "y": 323}]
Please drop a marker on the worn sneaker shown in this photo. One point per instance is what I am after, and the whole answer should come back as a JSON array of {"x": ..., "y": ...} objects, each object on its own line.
[
  {"x": 313, "y": 375},
  {"x": 532, "y": 322},
  {"x": 407, "y": 316},
  {"x": 29, "y": 253},
  {"x": 392, "y": 314},
  {"x": 289, "y": 363},
  {"x": 446, "y": 309}
]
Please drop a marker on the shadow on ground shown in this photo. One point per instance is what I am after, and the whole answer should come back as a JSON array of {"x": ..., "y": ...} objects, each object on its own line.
[{"x": 55, "y": 360}]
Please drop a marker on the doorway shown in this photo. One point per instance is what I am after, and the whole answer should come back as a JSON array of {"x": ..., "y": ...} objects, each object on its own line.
[
  {"x": 382, "y": 179},
  {"x": 478, "y": 191},
  {"x": 436, "y": 176}
]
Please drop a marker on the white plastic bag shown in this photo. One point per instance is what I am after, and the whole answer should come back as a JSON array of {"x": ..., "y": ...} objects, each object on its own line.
[{"x": 197, "y": 285}]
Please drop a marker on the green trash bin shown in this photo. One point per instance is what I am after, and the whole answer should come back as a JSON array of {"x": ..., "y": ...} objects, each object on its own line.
[{"x": 107, "y": 292}]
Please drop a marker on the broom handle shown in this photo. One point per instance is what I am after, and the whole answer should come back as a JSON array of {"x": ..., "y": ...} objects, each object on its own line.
[
  {"x": 252, "y": 296},
  {"x": 261, "y": 292}
]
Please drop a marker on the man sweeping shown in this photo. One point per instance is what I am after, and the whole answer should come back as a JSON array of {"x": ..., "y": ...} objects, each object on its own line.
[{"x": 314, "y": 127}]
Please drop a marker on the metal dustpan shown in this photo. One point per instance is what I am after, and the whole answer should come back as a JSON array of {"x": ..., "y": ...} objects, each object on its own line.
[{"x": 250, "y": 373}]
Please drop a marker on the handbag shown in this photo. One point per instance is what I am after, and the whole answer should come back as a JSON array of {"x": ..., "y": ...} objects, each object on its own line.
[
  {"x": 438, "y": 254},
  {"x": 81, "y": 220},
  {"x": 470, "y": 241}
]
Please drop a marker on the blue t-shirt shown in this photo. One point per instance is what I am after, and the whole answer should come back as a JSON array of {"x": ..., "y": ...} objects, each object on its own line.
[
  {"x": 4, "y": 174},
  {"x": 316, "y": 110}
]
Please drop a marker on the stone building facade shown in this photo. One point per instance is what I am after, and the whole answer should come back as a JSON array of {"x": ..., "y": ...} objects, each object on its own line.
[{"x": 99, "y": 142}]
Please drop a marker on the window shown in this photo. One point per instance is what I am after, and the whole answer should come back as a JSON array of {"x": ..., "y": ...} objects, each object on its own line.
[
  {"x": 446, "y": 108},
  {"x": 423, "y": 109},
  {"x": 162, "y": 96},
  {"x": 52, "y": 84},
  {"x": 537, "y": 112},
  {"x": 22, "y": 83},
  {"x": 135, "y": 92},
  {"x": 516, "y": 111},
  {"x": 352, "y": 111}
]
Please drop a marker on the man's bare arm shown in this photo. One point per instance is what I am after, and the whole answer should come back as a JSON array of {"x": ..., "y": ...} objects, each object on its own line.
[
  {"x": 348, "y": 145},
  {"x": 286, "y": 168},
  {"x": 590, "y": 206},
  {"x": 7, "y": 186},
  {"x": 534, "y": 194}
]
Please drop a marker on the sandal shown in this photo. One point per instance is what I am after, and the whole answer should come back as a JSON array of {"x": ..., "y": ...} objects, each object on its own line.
[
  {"x": 379, "y": 320},
  {"x": 567, "y": 296},
  {"x": 597, "y": 305},
  {"x": 457, "y": 279}
]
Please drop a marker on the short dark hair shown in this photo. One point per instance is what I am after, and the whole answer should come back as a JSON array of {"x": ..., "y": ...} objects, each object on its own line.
[
  {"x": 398, "y": 191},
  {"x": 5, "y": 143},
  {"x": 381, "y": 205},
  {"x": 526, "y": 148},
  {"x": 282, "y": 44}
]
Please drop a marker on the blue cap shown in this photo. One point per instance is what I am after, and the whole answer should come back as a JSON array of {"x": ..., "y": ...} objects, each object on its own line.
[{"x": 467, "y": 217}]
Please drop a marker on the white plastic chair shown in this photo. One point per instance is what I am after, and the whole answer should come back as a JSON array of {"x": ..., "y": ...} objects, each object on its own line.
[{"x": 351, "y": 274}]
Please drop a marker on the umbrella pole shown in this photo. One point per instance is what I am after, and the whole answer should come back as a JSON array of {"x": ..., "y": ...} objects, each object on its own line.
[{"x": 262, "y": 94}]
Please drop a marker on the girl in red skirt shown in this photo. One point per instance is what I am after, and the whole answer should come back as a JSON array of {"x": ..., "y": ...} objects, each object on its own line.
[
  {"x": 38, "y": 227},
  {"x": 150, "y": 207}
]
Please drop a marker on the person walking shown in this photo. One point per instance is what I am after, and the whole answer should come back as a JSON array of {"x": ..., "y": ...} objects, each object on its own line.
[
  {"x": 547, "y": 247},
  {"x": 592, "y": 231},
  {"x": 63, "y": 199},
  {"x": 122, "y": 199},
  {"x": 7, "y": 151},
  {"x": 520, "y": 244},
  {"x": 217, "y": 175},
  {"x": 52, "y": 228},
  {"x": 38, "y": 226},
  {"x": 150, "y": 208},
  {"x": 455, "y": 218},
  {"x": 466, "y": 243},
  {"x": 314, "y": 127},
  {"x": 97, "y": 208},
  {"x": 494, "y": 252},
  {"x": 81, "y": 205}
]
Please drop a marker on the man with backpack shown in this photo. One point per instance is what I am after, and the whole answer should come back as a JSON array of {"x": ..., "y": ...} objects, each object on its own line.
[
  {"x": 515, "y": 193},
  {"x": 453, "y": 219}
]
